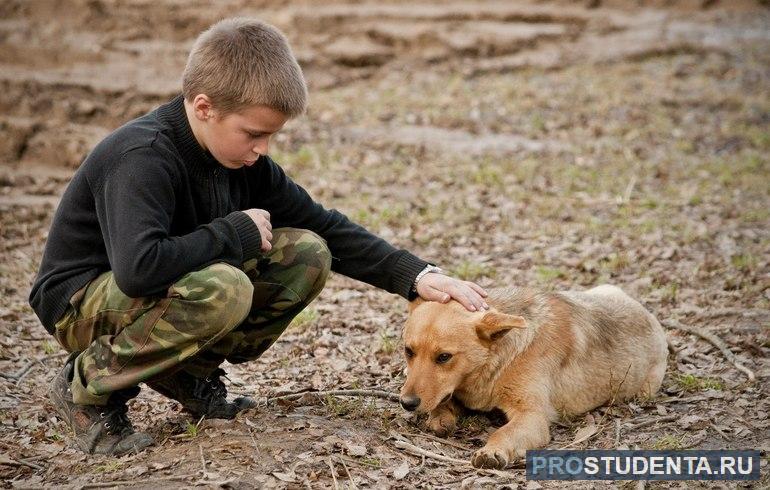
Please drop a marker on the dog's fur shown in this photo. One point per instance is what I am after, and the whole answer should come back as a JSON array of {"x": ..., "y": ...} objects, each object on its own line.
[{"x": 535, "y": 356}]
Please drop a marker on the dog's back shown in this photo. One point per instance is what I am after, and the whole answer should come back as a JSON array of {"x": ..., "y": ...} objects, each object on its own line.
[
  {"x": 621, "y": 349},
  {"x": 600, "y": 343}
]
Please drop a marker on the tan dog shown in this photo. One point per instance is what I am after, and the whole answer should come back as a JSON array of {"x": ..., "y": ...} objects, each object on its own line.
[{"x": 533, "y": 355}]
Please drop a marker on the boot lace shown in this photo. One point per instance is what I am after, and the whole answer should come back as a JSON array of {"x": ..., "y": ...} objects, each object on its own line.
[
  {"x": 212, "y": 389},
  {"x": 116, "y": 412}
]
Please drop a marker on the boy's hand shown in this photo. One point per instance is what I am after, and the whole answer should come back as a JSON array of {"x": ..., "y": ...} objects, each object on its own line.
[
  {"x": 441, "y": 288},
  {"x": 261, "y": 218}
]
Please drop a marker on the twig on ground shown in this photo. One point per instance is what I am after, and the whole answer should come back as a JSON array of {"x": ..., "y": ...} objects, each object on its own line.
[
  {"x": 411, "y": 448},
  {"x": 629, "y": 189},
  {"x": 716, "y": 342},
  {"x": 687, "y": 399},
  {"x": 21, "y": 462},
  {"x": 206, "y": 474},
  {"x": 375, "y": 393},
  {"x": 360, "y": 462},
  {"x": 719, "y": 431},
  {"x": 21, "y": 373},
  {"x": 598, "y": 430},
  {"x": 424, "y": 452},
  {"x": 256, "y": 446},
  {"x": 144, "y": 481},
  {"x": 617, "y": 432},
  {"x": 646, "y": 423},
  {"x": 614, "y": 394},
  {"x": 745, "y": 312},
  {"x": 421, "y": 466},
  {"x": 440, "y": 440},
  {"x": 215, "y": 483},
  {"x": 334, "y": 473},
  {"x": 347, "y": 471}
]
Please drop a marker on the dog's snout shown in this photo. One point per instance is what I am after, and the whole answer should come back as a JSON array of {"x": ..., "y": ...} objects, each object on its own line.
[{"x": 410, "y": 403}]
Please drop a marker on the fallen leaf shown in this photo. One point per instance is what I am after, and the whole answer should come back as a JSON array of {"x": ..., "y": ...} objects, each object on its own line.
[
  {"x": 401, "y": 471},
  {"x": 689, "y": 421},
  {"x": 287, "y": 477},
  {"x": 584, "y": 433},
  {"x": 355, "y": 450}
]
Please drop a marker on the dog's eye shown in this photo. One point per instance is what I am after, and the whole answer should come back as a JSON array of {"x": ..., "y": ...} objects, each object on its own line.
[
  {"x": 442, "y": 358},
  {"x": 408, "y": 352}
]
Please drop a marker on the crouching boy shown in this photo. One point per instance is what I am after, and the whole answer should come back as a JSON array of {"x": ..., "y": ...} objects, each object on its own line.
[{"x": 180, "y": 244}]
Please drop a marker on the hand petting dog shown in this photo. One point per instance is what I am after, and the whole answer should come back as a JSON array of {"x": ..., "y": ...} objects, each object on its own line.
[{"x": 440, "y": 288}]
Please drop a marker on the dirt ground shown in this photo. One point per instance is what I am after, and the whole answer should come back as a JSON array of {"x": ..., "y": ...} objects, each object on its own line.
[{"x": 552, "y": 144}]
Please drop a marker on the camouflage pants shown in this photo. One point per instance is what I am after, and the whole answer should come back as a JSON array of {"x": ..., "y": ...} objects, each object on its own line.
[{"x": 208, "y": 316}]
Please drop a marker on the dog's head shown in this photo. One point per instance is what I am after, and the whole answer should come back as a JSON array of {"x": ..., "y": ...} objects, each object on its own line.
[{"x": 443, "y": 345}]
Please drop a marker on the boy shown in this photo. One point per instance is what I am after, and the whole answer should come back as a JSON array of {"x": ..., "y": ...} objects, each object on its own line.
[{"x": 180, "y": 244}]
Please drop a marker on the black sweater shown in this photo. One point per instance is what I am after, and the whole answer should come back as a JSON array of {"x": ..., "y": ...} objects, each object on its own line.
[{"x": 151, "y": 205}]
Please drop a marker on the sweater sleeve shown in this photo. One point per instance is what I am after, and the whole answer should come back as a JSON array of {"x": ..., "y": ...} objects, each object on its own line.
[
  {"x": 135, "y": 207},
  {"x": 356, "y": 252}
]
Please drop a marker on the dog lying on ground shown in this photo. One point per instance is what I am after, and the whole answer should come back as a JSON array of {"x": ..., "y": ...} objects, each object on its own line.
[{"x": 535, "y": 356}]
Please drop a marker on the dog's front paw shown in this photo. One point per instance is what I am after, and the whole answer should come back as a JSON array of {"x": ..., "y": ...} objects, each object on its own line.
[
  {"x": 442, "y": 425},
  {"x": 489, "y": 457}
]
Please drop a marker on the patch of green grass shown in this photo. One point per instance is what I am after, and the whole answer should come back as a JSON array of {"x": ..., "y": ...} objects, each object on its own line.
[
  {"x": 685, "y": 146},
  {"x": 690, "y": 382},
  {"x": 303, "y": 159},
  {"x": 56, "y": 437},
  {"x": 744, "y": 262},
  {"x": 109, "y": 467},
  {"x": 191, "y": 430},
  {"x": 488, "y": 176},
  {"x": 547, "y": 274},
  {"x": 538, "y": 122},
  {"x": 695, "y": 200},
  {"x": 473, "y": 423},
  {"x": 670, "y": 292},
  {"x": 354, "y": 407},
  {"x": 305, "y": 319},
  {"x": 669, "y": 442},
  {"x": 49, "y": 347},
  {"x": 616, "y": 262},
  {"x": 388, "y": 342},
  {"x": 755, "y": 215},
  {"x": 371, "y": 462},
  {"x": 468, "y": 270},
  {"x": 392, "y": 215},
  {"x": 650, "y": 203},
  {"x": 759, "y": 138}
]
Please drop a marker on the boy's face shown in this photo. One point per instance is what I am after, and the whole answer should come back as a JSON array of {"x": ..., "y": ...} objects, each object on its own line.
[{"x": 239, "y": 138}]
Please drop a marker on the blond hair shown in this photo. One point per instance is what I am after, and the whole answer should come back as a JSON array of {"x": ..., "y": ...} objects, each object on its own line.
[{"x": 242, "y": 62}]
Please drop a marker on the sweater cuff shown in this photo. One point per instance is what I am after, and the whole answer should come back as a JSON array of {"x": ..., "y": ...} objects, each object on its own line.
[
  {"x": 248, "y": 233},
  {"x": 405, "y": 272}
]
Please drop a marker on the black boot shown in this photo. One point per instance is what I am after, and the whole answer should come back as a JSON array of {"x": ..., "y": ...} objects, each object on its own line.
[
  {"x": 201, "y": 397},
  {"x": 98, "y": 429}
]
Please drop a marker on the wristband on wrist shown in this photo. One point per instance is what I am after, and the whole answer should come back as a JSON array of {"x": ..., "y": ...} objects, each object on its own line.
[{"x": 430, "y": 268}]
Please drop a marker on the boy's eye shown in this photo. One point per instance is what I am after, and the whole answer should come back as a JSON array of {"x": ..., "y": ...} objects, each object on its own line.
[
  {"x": 408, "y": 352},
  {"x": 443, "y": 358}
]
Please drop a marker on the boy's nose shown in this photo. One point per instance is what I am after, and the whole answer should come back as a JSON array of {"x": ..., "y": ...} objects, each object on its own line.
[
  {"x": 260, "y": 148},
  {"x": 410, "y": 402}
]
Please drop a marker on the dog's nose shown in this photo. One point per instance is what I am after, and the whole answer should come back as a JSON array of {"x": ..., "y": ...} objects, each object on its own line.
[{"x": 410, "y": 402}]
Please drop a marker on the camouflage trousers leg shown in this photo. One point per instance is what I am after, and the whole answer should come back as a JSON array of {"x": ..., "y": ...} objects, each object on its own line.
[
  {"x": 285, "y": 281},
  {"x": 216, "y": 313},
  {"x": 125, "y": 341}
]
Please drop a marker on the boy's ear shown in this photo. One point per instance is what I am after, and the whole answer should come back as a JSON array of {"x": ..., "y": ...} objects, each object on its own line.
[
  {"x": 415, "y": 303},
  {"x": 494, "y": 325}
]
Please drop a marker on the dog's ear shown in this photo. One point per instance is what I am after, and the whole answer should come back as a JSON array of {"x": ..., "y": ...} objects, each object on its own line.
[
  {"x": 495, "y": 325},
  {"x": 415, "y": 303}
]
